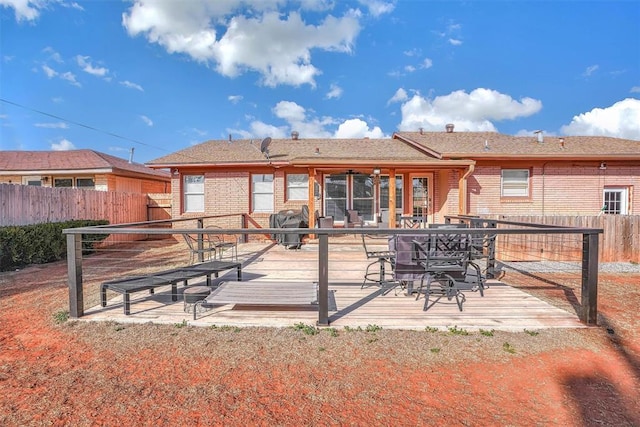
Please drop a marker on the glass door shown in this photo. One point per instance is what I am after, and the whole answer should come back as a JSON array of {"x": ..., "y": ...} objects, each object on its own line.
[
  {"x": 362, "y": 196},
  {"x": 335, "y": 196},
  {"x": 420, "y": 198}
]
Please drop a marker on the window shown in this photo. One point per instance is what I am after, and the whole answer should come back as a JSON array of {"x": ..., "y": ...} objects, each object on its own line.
[
  {"x": 297, "y": 186},
  {"x": 193, "y": 193},
  {"x": 384, "y": 192},
  {"x": 515, "y": 183},
  {"x": 63, "y": 182},
  {"x": 615, "y": 201},
  {"x": 335, "y": 196},
  {"x": 262, "y": 192},
  {"x": 35, "y": 181},
  {"x": 87, "y": 183}
]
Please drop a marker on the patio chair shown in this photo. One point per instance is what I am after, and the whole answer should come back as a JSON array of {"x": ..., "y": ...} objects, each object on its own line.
[
  {"x": 201, "y": 248},
  {"x": 221, "y": 245},
  {"x": 380, "y": 270},
  {"x": 323, "y": 221},
  {"x": 445, "y": 261},
  {"x": 483, "y": 248},
  {"x": 353, "y": 219}
]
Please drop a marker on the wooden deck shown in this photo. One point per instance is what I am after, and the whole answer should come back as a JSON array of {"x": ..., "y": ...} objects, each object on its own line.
[{"x": 502, "y": 307}]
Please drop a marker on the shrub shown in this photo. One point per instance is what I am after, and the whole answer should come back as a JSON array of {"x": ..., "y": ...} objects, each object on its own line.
[{"x": 41, "y": 243}]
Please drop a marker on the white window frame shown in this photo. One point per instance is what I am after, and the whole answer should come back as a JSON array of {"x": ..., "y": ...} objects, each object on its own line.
[
  {"x": 86, "y": 187},
  {"x": 27, "y": 180},
  {"x": 56, "y": 178},
  {"x": 624, "y": 201},
  {"x": 262, "y": 195},
  {"x": 297, "y": 186},
  {"x": 515, "y": 186},
  {"x": 193, "y": 193}
]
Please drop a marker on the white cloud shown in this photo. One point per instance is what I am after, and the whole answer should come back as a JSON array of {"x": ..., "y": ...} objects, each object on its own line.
[
  {"x": 277, "y": 47},
  {"x": 70, "y": 77},
  {"x": 590, "y": 70},
  {"x": 88, "y": 67},
  {"x": 24, "y": 10},
  {"x": 621, "y": 120},
  {"x": 635, "y": 89},
  {"x": 409, "y": 68},
  {"x": 455, "y": 42},
  {"x": 62, "y": 145},
  {"x": 472, "y": 111},
  {"x": 356, "y": 128},
  {"x": 53, "y": 55},
  {"x": 57, "y": 100},
  {"x": 335, "y": 92},
  {"x": 378, "y": 7},
  {"x": 29, "y": 10},
  {"x": 299, "y": 119},
  {"x": 50, "y": 72},
  {"x": 57, "y": 125},
  {"x": 146, "y": 120},
  {"x": 427, "y": 63},
  {"x": 131, "y": 85},
  {"x": 412, "y": 52},
  {"x": 399, "y": 96},
  {"x": 234, "y": 99}
]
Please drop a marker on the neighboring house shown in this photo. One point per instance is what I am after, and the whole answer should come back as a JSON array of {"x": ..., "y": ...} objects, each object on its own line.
[
  {"x": 86, "y": 169},
  {"x": 423, "y": 174}
]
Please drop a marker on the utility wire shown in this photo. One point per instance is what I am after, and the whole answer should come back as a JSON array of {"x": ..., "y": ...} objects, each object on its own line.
[{"x": 115, "y": 135}]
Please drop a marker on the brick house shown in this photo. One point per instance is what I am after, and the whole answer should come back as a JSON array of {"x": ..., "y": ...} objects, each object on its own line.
[
  {"x": 420, "y": 174},
  {"x": 86, "y": 169}
]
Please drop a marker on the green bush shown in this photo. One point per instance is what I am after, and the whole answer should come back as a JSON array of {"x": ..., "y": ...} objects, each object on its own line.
[{"x": 41, "y": 243}]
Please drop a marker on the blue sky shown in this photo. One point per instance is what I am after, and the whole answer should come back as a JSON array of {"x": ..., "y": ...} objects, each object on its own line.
[{"x": 159, "y": 76}]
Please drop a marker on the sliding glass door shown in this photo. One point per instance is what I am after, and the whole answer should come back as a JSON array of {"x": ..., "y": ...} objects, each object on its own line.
[{"x": 348, "y": 191}]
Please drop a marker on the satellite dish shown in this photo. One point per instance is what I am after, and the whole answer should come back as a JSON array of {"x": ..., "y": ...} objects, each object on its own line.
[{"x": 264, "y": 147}]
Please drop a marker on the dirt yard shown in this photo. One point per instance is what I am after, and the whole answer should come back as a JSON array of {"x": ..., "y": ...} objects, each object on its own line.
[{"x": 56, "y": 372}]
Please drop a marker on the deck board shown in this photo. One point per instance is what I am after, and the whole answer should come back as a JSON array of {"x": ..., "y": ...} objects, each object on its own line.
[{"x": 502, "y": 308}]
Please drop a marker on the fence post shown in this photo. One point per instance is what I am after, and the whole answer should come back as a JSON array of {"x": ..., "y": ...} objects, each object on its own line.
[
  {"x": 589, "y": 294},
  {"x": 323, "y": 279},
  {"x": 74, "y": 274}
]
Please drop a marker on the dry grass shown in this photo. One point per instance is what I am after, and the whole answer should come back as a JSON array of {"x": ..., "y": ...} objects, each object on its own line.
[{"x": 81, "y": 373}]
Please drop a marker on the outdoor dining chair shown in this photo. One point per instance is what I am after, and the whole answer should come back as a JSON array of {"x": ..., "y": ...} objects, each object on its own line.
[
  {"x": 444, "y": 258},
  {"x": 222, "y": 244},
  {"x": 201, "y": 248},
  {"x": 380, "y": 270}
]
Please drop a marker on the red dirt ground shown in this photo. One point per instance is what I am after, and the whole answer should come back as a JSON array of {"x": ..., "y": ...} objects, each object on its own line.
[{"x": 81, "y": 373}]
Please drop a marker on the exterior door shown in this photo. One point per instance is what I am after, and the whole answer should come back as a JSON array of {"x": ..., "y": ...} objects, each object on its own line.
[
  {"x": 421, "y": 198},
  {"x": 348, "y": 191}
]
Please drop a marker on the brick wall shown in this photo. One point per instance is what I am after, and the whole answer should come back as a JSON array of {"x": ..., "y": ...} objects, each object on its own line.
[{"x": 555, "y": 190}]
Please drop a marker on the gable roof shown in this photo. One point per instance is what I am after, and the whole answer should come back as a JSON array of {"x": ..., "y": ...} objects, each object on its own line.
[
  {"x": 493, "y": 145},
  {"x": 297, "y": 152},
  {"x": 73, "y": 161}
]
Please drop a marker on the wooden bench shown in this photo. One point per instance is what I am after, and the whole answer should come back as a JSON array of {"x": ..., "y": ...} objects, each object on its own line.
[
  {"x": 128, "y": 285},
  {"x": 261, "y": 293}
]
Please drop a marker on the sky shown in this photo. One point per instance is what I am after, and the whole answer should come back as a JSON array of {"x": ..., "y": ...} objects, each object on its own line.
[{"x": 157, "y": 76}]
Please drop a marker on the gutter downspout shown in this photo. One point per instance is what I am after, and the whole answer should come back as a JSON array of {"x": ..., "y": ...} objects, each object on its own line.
[{"x": 462, "y": 191}]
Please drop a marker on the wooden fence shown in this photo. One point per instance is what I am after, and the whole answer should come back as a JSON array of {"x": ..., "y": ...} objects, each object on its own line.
[
  {"x": 619, "y": 242},
  {"x": 24, "y": 205}
]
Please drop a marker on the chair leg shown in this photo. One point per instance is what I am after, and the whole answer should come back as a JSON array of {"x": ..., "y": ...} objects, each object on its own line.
[{"x": 481, "y": 280}]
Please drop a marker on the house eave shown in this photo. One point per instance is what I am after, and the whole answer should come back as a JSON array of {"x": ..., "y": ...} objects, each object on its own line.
[{"x": 60, "y": 172}]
